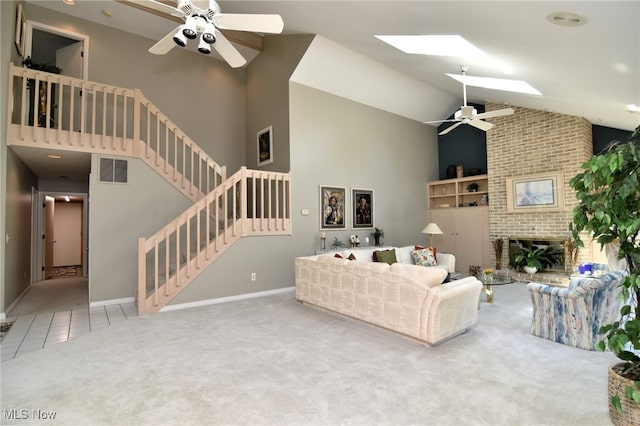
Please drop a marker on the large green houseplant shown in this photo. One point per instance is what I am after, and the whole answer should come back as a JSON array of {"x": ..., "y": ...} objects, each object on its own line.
[
  {"x": 608, "y": 193},
  {"x": 532, "y": 257}
]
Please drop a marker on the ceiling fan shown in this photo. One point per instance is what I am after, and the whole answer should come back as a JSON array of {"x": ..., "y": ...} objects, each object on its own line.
[
  {"x": 204, "y": 18},
  {"x": 469, "y": 115}
]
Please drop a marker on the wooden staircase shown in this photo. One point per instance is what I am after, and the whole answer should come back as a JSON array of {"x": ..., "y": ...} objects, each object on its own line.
[{"x": 64, "y": 113}]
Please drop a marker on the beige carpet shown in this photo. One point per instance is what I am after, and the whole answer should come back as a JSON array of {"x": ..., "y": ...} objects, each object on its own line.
[{"x": 274, "y": 361}]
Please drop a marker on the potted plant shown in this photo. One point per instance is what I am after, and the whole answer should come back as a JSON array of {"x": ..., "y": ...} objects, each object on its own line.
[
  {"x": 532, "y": 259},
  {"x": 377, "y": 234},
  {"x": 608, "y": 209}
]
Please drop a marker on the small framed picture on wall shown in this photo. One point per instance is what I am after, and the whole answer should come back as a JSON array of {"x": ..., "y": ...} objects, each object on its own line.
[
  {"x": 362, "y": 208},
  {"x": 332, "y": 207},
  {"x": 265, "y": 146}
]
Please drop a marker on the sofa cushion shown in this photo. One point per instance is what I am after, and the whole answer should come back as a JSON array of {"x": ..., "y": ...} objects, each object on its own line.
[
  {"x": 386, "y": 256},
  {"x": 424, "y": 257},
  {"x": 330, "y": 259},
  {"x": 431, "y": 277}
]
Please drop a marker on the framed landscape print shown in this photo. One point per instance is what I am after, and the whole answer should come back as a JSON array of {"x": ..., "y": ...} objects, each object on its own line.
[
  {"x": 362, "y": 208},
  {"x": 265, "y": 146},
  {"x": 543, "y": 192},
  {"x": 332, "y": 207}
]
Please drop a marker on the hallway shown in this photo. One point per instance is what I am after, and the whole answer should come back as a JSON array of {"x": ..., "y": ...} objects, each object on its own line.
[{"x": 55, "y": 311}]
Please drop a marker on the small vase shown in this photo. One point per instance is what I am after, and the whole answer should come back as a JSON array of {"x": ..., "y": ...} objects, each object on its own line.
[{"x": 530, "y": 270}]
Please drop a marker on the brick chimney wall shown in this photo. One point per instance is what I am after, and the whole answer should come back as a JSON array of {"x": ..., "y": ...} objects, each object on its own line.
[{"x": 526, "y": 143}]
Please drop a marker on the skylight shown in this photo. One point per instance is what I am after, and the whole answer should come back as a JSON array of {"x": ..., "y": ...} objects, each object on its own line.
[
  {"x": 441, "y": 45},
  {"x": 496, "y": 84}
]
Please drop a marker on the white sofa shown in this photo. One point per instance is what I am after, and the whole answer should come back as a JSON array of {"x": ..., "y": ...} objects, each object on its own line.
[
  {"x": 446, "y": 261},
  {"x": 403, "y": 297}
]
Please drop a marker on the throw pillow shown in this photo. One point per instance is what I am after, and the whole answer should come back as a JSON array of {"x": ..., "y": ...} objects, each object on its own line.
[
  {"x": 351, "y": 257},
  {"x": 424, "y": 257},
  {"x": 338, "y": 256},
  {"x": 386, "y": 256},
  {"x": 433, "y": 249}
]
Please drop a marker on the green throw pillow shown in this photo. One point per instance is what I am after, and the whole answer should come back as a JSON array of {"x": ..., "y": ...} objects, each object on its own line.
[{"x": 387, "y": 256}]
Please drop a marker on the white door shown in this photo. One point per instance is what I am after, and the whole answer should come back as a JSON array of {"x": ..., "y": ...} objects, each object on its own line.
[{"x": 49, "y": 241}]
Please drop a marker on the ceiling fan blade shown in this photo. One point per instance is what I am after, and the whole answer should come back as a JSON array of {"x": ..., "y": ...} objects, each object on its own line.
[
  {"x": 157, "y": 6},
  {"x": 439, "y": 121},
  {"x": 228, "y": 51},
  {"x": 450, "y": 128},
  {"x": 165, "y": 44},
  {"x": 497, "y": 113},
  {"x": 246, "y": 22},
  {"x": 479, "y": 124}
]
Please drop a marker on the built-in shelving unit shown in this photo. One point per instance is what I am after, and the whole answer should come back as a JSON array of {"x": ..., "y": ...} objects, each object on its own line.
[{"x": 454, "y": 193}]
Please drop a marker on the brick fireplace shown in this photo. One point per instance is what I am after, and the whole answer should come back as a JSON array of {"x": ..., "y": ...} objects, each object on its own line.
[{"x": 533, "y": 142}]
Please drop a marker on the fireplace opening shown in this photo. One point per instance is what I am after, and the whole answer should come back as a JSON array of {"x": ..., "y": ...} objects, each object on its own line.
[{"x": 556, "y": 244}]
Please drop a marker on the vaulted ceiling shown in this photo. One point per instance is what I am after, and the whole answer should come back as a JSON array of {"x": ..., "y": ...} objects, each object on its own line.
[{"x": 592, "y": 70}]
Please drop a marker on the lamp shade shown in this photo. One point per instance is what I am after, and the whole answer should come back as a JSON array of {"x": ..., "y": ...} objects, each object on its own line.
[{"x": 432, "y": 229}]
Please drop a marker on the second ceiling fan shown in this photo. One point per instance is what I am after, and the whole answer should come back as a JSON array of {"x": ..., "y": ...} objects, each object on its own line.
[{"x": 469, "y": 115}]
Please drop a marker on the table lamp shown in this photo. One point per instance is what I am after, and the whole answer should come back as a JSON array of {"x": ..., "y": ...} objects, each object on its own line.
[{"x": 432, "y": 229}]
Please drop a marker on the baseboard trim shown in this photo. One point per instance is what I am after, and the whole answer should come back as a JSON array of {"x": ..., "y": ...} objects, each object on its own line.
[
  {"x": 226, "y": 299},
  {"x": 111, "y": 302},
  {"x": 3, "y": 315}
]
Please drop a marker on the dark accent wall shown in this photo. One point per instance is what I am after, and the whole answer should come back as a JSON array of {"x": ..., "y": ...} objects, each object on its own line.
[
  {"x": 603, "y": 136},
  {"x": 467, "y": 145}
]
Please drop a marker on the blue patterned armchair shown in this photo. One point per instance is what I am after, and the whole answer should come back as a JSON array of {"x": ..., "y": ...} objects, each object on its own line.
[{"x": 574, "y": 315}]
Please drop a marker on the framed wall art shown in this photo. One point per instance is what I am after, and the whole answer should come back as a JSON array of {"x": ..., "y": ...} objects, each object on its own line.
[
  {"x": 362, "y": 208},
  {"x": 542, "y": 192},
  {"x": 265, "y": 146},
  {"x": 333, "y": 200},
  {"x": 21, "y": 26}
]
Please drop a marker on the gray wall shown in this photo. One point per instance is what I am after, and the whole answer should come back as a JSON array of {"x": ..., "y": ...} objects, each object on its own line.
[
  {"x": 15, "y": 182},
  {"x": 335, "y": 141},
  {"x": 19, "y": 181},
  {"x": 118, "y": 215},
  {"x": 267, "y": 96}
]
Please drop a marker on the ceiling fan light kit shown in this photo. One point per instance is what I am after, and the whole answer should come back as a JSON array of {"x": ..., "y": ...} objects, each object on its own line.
[{"x": 203, "y": 17}]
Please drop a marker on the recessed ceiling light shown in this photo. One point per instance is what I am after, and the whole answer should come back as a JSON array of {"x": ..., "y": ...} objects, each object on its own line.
[
  {"x": 633, "y": 109},
  {"x": 496, "y": 84},
  {"x": 69, "y": 2},
  {"x": 566, "y": 19},
  {"x": 54, "y": 156},
  {"x": 440, "y": 45}
]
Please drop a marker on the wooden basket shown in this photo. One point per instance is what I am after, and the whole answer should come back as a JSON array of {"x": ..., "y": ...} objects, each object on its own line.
[{"x": 630, "y": 410}]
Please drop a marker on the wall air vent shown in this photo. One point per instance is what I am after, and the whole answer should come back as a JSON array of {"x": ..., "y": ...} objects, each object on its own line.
[{"x": 112, "y": 170}]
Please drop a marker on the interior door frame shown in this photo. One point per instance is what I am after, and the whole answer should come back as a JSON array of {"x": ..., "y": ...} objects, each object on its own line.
[
  {"x": 31, "y": 25},
  {"x": 37, "y": 243}
]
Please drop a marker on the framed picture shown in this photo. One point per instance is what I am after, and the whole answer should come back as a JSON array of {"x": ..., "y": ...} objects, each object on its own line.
[
  {"x": 332, "y": 207},
  {"x": 362, "y": 208},
  {"x": 543, "y": 192},
  {"x": 265, "y": 146},
  {"x": 21, "y": 26}
]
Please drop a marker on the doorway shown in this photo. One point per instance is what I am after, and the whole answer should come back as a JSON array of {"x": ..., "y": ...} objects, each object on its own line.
[
  {"x": 60, "y": 242},
  {"x": 65, "y": 49}
]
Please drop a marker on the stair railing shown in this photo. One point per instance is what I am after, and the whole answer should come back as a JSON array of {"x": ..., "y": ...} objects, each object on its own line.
[
  {"x": 64, "y": 113},
  {"x": 249, "y": 203}
]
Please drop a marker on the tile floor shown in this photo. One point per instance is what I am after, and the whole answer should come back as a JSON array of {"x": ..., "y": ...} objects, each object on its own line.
[{"x": 38, "y": 330}]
